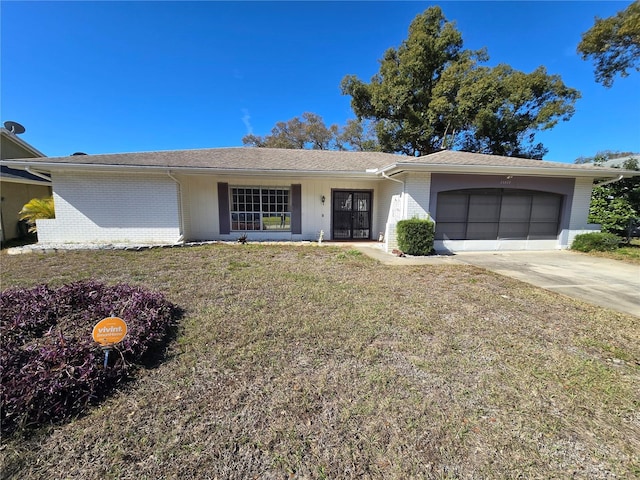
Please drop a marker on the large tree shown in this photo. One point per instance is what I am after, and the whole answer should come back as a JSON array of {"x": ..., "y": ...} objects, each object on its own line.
[
  {"x": 311, "y": 132},
  {"x": 430, "y": 94},
  {"x": 614, "y": 44}
]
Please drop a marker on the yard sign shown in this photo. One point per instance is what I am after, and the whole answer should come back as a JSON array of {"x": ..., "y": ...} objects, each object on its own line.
[{"x": 109, "y": 331}]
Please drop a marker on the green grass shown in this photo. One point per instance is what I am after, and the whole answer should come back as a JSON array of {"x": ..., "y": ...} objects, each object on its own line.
[
  {"x": 318, "y": 362},
  {"x": 628, "y": 253}
]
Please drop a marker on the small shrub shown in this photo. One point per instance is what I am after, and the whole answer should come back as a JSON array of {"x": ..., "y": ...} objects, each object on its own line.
[
  {"x": 37, "y": 209},
  {"x": 598, "y": 241},
  {"x": 415, "y": 236},
  {"x": 50, "y": 367}
]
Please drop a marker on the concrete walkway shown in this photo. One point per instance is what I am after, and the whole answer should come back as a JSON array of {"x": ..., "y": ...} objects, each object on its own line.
[{"x": 600, "y": 281}]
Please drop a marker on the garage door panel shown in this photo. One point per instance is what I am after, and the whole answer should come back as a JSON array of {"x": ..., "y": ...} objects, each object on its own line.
[
  {"x": 513, "y": 231},
  {"x": 482, "y": 231},
  {"x": 497, "y": 214}
]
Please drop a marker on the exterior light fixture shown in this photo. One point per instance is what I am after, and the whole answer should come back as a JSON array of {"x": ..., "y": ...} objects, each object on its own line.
[{"x": 322, "y": 199}]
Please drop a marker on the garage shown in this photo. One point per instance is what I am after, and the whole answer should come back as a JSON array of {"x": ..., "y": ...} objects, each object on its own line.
[{"x": 498, "y": 214}]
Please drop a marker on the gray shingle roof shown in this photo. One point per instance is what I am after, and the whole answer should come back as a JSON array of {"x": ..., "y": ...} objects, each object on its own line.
[
  {"x": 248, "y": 159},
  {"x": 454, "y": 157},
  {"x": 240, "y": 158}
]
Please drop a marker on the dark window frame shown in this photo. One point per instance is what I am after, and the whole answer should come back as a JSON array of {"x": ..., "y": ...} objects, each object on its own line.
[{"x": 260, "y": 208}]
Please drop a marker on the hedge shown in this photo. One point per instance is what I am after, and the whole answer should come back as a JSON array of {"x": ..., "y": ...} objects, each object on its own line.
[
  {"x": 415, "y": 236},
  {"x": 598, "y": 241}
]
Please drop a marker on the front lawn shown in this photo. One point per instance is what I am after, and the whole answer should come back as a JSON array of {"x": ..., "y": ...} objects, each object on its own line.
[
  {"x": 316, "y": 362},
  {"x": 629, "y": 253}
]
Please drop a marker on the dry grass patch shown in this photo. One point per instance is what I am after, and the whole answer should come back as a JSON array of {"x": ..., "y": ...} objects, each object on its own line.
[{"x": 309, "y": 362}]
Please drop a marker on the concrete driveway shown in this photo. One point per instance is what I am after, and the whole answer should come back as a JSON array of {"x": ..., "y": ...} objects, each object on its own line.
[
  {"x": 608, "y": 283},
  {"x": 600, "y": 281}
]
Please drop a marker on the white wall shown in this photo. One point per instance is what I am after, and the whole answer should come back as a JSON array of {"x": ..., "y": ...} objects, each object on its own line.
[
  {"x": 200, "y": 205},
  {"x": 112, "y": 208},
  {"x": 579, "y": 212}
]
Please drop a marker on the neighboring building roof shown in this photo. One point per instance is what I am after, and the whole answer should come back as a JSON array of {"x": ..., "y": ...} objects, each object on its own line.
[
  {"x": 21, "y": 176},
  {"x": 11, "y": 146},
  {"x": 252, "y": 160},
  {"x": 19, "y": 145},
  {"x": 618, "y": 162}
]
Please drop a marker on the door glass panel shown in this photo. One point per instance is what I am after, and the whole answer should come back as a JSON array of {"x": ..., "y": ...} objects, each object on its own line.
[{"x": 351, "y": 215}]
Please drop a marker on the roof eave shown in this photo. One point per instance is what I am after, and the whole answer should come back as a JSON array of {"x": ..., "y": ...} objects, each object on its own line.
[
  {"x": 50, "y": 167},
  {"x": 505, "y": 170}
]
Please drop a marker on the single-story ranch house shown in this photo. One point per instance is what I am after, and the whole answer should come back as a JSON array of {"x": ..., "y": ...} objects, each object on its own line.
[{"x": 479, "y": 202}]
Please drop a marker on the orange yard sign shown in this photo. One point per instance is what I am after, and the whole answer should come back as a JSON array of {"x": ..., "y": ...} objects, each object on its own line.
[{"x": 109, "y": 331}]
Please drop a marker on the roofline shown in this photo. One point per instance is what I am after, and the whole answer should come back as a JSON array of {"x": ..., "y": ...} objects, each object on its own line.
[
  {"x": 49, "y": 167},
  {"x": 27, "y": 181},
  {"x": 391, "y": 169},
  {"x": 17, "y": 140},
  {"x": 518, "y": 170}
]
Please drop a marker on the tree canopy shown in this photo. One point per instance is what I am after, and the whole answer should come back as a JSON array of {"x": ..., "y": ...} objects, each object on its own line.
[
  {"x": 614, "y": 44},
  {"x": 310, "y": 131},
  {"x": 430, "y": 94}
]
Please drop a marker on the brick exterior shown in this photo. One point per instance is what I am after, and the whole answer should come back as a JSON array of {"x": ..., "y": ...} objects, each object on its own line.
[
  {"x": 112, "y": 208},
  {"x": 418, "y": 190}
]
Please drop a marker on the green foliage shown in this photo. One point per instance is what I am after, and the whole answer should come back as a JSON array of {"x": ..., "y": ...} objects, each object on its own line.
[
  {"x": 614, "y": 44},
  {"x": 430, "y": 94},
  {"x": 614, "y": 204},
  {"x": 612, "y": 213},
  {"x": 415, "y": 236},
  {"x": 311, "y": 132},
  {"x": 37, "y": 209},
  {"x": 598, "y": 241}
]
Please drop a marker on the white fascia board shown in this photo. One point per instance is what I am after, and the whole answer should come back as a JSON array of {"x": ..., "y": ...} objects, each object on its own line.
[
  {"x": 25, "y": 181},
  {"x": 50, "y": 167},
  {"x": 506, "y": 170}
]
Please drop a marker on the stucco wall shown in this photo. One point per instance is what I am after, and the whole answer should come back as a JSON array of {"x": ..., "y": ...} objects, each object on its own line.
[
  {"x": 112, "y": 207},
  {"x": 579, "y": 212},
  {"x": 14, "y": 197}
]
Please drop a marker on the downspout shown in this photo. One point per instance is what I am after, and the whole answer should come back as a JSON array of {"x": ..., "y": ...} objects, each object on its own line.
[
  {"x": 180, "y": 207},
  {"x": 606, "y": 182},
  {"x": 403, "y": 200},
  {"x": 36, "y": 174}
]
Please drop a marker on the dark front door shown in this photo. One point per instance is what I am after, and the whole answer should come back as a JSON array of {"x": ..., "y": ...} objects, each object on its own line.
[{"x": 351, "y": 215}]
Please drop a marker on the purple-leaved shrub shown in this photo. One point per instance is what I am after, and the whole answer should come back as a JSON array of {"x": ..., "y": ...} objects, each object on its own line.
[{"x": 50, "y": 367}]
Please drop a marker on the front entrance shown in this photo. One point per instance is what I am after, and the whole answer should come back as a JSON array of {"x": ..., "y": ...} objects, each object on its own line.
[{"x": 351, "y": 215}]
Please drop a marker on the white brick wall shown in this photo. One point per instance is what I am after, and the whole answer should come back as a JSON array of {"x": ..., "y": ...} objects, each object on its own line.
[
  {"x": 112, "y": 208},
  {"x": 418, "y": 189}
]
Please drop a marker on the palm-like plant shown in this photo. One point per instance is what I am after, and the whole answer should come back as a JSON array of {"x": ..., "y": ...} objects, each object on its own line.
[{"x": 37, "y": 209}]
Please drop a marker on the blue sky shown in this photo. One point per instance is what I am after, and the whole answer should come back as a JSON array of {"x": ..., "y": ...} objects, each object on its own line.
[{"x": 107, "y": 77}]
